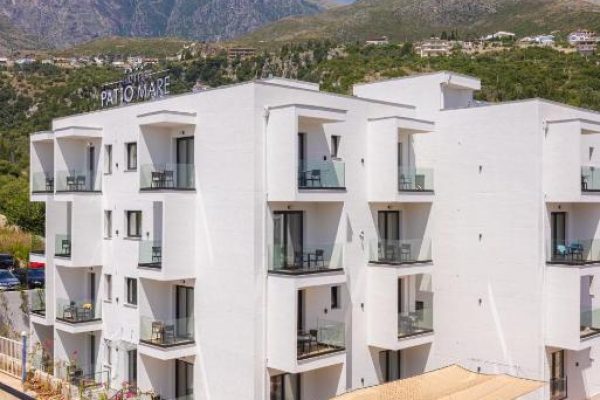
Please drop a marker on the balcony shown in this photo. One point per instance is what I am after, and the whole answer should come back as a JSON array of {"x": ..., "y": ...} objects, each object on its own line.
[
  {"x": 167, "y": 177},
  {"x": 165, "y": 333},
  {"x": 62, "y": 246},
  {"x": 78, "y": 311},
  {"x": 38, "y": 246},
  {"x": 575, "y": 252},
  {"x": 325, "y": 337},
  {"x": 77, "y": 181},
  {"x": 589, "y": 323},
  {"x": 590, "y": 179},
  {"x": 37, "y": 302},
  {"x": 42, "y": 183},
  {"x": 307, "y": 260},
  {"x": 150, "y": 254},
  {"x": 414, "y": 323},
  {"x": 321, "y": 175},
  {"x": 409, "y": 251},
  {"x": 412, "y": 179}
]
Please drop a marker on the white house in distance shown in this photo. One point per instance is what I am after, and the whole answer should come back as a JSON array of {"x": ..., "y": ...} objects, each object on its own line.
[{"x": 266, "y": 240}]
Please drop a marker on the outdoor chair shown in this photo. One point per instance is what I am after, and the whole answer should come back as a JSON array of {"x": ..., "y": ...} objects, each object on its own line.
[
  {"x": 156, "y": 254},
  {"x": 405, "y": 182},
  {"x": 314, "y": 338},
  {"x": 49, "y": 184},
  {"x": 169, "y": 180},
  {"x": 66, "y": 246},
  {"x": 314, "y": 178},
  {"x": 80, "y": 185},
  {"x": 319, "y": 257},
  {"x": 71, "y": 183},
  {"x": 156, "y": 179},
  {"x": 405, "y": 252},
  {"x": 169, "y": 334}
]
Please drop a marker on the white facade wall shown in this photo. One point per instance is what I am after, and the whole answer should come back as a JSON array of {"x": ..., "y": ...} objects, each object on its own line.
[{"x": 481, "y": 235}]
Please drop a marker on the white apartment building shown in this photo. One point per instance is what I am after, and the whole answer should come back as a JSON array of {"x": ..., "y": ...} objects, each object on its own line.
[{"x": 270, "y": 241}]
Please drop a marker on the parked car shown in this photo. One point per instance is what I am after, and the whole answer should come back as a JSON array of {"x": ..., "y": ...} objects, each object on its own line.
[
  {"x": 30, "y": 277},
  {"x": 8, "y": 281},
  {"x": 6, "y": 261}
]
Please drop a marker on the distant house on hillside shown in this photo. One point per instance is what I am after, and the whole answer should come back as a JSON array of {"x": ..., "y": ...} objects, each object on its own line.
[
  {"x": 585, "y": 41},
  {"x": 434, "y": 47},
  {"x": 581, "y": 36},
  {"x": 377, "y": 41},
  {"x": 240, "y": 52},
  {"x": 539, "y": 40},
  {"x": 499, "y": 35}
]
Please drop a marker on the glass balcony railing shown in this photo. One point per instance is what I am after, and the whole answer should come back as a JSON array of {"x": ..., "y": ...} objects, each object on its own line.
[
  {"x": 37, "y": 301},
  {"x": 62, "y": 245},
  {"x": 42, "y": 183},
  {"x": 38, "y": 245},
  {"x": 77, "y": 181},
  {"x": 82, "y": 376},
  {"x": 589, "y": 323},
  {"x": 166, "y": 332},
  {"x": 325, "y": 337},
  {"x": 167, "y": 176},
  {"x": 78, "y": 311},
  {"x": 590, "y": 179},
  {"x": 412, "y": 179},
  {"x": 330, "y": 174},
  {"x": 409, "y": 251},
  {"x": 308, "y": 259},
  {"x": 150, "y": 254},
  {"x": 416, "y": 322},
  {"x": 574, "y": 252}
]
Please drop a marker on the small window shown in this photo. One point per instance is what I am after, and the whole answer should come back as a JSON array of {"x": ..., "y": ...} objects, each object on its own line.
[
  {"x": 108, "y": 350},
  {"x": 419, "y": 305},
  {"x": 335, "y": 298},
  {"x": 108, "y": 287},
  {"x": 107, "y": 224},
  {"x": 134, "y": 224},
  {"x": 131, "y": 149},
  {"x": 132, "y": 367},
  {"x": 108, "y": 159},
  {"x": 131, "y": 284},
  {"x": 335, "y": 145}
]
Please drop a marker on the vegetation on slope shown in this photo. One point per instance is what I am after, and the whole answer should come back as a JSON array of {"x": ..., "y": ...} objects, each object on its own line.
[
  {"x": 402, "y": 20},
  {"x": 31, "y": 96}
]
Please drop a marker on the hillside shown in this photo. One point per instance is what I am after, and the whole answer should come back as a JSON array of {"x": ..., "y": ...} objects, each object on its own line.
[
  {"x": 62, "y": 23},
  {"x": 12, "y": 38},
  {"x": 416, "y": 19},
  {"x": 30, "y": 96},
  {"x": 113, "y": 45}
]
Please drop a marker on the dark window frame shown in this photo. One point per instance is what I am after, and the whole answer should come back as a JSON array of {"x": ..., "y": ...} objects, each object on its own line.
[
  {"x": 138, "y": 224},
  {"x": 131, "y": 291},
  {"x": 131, "y": 164},
  {"x": 108, "y": 159},
  {"x": 335, "y": 298}
]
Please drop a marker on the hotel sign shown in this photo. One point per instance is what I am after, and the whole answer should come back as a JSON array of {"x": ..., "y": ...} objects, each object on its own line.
[{"x": 136, "y": 86}]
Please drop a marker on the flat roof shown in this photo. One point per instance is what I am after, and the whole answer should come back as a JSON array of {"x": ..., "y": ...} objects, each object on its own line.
[{"x": 453, "y": 382}]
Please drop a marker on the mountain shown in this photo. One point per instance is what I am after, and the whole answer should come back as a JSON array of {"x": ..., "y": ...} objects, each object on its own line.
[
  {"x": 12, "y": 38},
  {"x": 66, "y": 22},
  {"x": 416, "y": 19}
]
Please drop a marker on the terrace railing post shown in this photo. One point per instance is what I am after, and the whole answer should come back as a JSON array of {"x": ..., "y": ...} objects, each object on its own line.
[{"x": 23, "y": 356}]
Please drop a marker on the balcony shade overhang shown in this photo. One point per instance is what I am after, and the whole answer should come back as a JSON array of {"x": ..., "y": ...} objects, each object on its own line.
[
  {"x": 453, "y": 382},
  {"x": 167, "y": 119},
  {"x": 78, "y": 132},
  {"x": 314, "y": 114},
  {"x": 408, "y": 124}
]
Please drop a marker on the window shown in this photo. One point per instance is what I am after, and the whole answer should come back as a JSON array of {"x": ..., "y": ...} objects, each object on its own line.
[
  {"x": 131, "y": 284},
  {"x": 108, "y": 287},
  {"x": 335, "y": 145},
  {"x": 108, "y": 354},
  {"x": 131, "y": 149},
  {"x": 108, "y": 159},
  {"x": 132, "y": 367},
  {"x": 285, "y": 387},
  {"x": 335, "y": 298},
  {"x": 107, "y": 224},
  {"x": 134, "y": 224}
]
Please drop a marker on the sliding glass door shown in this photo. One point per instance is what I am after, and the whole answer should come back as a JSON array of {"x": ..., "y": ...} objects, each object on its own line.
[
  {"x": 288, "y": 243},
  {"x": 184, "y": 311},
  {"x": 184, "y": 380},
  {"x": 185, "y": 162}
]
